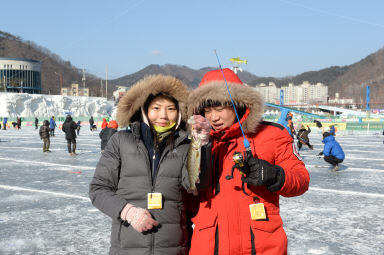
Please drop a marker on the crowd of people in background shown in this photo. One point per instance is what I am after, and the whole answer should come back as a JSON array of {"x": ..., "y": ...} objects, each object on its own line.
[{"x": 69, "y": 127}]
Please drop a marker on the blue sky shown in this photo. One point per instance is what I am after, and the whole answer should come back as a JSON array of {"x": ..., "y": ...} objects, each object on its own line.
[{"x": 277, "y": 37}]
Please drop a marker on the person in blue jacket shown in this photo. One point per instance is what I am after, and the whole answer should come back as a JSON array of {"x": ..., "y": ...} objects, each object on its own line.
[
  {"x": 332, "y": 130},
  {"x": 52, "y": 125},
  {"x": 5, "y": 120},
  {"x": 333, "y": 153},
  {"x": 286, "y": 120}
]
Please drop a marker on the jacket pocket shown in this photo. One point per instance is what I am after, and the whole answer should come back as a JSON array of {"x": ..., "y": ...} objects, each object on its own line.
[
  {"x": 274, "y": 222},
  {"x": 203, "y": 238},
  {"x": 269, "y": 236},
  {"x": 206, "y": 221}
]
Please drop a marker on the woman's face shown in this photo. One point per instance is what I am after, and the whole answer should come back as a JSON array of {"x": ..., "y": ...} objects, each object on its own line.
[{"x": 162, "y": 112}]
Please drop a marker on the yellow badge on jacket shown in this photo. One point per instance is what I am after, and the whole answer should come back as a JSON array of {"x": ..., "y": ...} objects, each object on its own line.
[
  {"x": 257, "y": 211},
  {"x": 155, "y": 201}
]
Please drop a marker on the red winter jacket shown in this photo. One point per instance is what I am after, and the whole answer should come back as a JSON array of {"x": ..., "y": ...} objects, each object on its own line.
[
  {"x": 224, "y": 208},
  {"x": 104, "y": 124}
]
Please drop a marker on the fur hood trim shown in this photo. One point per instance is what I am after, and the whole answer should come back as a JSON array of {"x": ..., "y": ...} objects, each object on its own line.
[
  {"x": 242, "y": 95},
  {"x": 128, "y": 109}
]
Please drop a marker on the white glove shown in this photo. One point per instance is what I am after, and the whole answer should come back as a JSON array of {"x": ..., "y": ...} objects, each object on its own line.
[{"x": 139, "y": 218}]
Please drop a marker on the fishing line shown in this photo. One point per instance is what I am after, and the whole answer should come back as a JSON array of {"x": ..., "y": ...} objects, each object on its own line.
[{"x": 246, "y": 142}]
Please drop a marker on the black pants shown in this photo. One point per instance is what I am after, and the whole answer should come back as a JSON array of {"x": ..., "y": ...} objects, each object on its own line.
[
  {"x": 73, "y": 143},
  {"x": 333, "y": 160},
  {"x": 52, "y": 131}
]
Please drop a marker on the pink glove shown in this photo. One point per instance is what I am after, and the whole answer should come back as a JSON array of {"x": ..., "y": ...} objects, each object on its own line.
[
  {"x": 139, "y": 218},
  {"x": 200, "y": 128}
]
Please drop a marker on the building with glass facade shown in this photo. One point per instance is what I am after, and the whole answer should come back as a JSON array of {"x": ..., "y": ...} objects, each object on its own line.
[{"x": 20, "y": 75}]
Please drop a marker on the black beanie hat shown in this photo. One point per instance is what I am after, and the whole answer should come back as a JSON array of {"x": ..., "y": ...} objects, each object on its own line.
[{"x": 326, "y": 134}]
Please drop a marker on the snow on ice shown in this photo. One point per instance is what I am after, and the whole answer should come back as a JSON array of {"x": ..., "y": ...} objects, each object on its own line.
[{"x": 45, "y": 209}]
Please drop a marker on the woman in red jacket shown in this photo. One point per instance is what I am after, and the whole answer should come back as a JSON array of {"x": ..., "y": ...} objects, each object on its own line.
[{"x": 240, "y": 214}]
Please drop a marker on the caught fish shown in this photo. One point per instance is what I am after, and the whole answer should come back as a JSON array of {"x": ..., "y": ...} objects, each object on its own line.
[{"x": 193, "y": 163}]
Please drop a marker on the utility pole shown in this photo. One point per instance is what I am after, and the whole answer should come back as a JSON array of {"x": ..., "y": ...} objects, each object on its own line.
[
  {"x": 106, "y": 82},
  {"x": 83, "y": 79},
  {"x": 101, "y": 87}
]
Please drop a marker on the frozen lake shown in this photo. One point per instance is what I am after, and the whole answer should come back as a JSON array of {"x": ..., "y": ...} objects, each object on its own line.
[{"x": 45, "y": 209}]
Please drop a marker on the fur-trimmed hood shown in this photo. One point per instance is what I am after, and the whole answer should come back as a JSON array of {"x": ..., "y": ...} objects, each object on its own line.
[
  {"x": 128, "y": 109},
  {"x": 242, "y": 95}
]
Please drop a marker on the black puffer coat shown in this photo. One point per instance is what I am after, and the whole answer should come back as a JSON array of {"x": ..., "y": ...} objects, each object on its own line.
[
  {"x": 124, "y": 175},
  {"x": 105, "y": 134},
  {"x": 69, "y": 128},
  {"x": 302, "y": 135}
]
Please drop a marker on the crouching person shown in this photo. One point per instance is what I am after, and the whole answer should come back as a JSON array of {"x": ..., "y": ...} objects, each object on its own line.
[
  {"x": 240, "y": 214},
  {"x": 333, "y": 153}
]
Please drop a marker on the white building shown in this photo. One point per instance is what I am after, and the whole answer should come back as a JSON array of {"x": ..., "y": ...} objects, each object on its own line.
[
  {"x": 338, "y": 100},
  {"x": 119, "y": 92},
  {"x": 270, "y": 92},
  {"x": 75, "y": 90},
  {"x": 305, "y": 93}
]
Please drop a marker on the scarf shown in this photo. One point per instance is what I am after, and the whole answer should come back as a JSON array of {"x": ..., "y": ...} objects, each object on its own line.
[{"x": 163, "y": 132}]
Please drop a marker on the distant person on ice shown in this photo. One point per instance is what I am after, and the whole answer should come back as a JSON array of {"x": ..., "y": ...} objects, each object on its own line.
[
  {"x": 5, "y": 123},
  {"x": 333, "y": 153},
  {"x": 91, "y": 123},
  {"x": 69, "y": 128},
  {"x": 37, "y": 122},
  {"x": 78, "y": 127},
  {"x": 52, "y": 125},
  {"x": 332, "y": 130},
  {"x": 286, "y": 120},
  {"x": 18, "y": 120},
  {"x": 104, "y": 124},
  {"x": 302, "y": 137},
  {"x": 107, "y": 132},
  {"x": 44, "y": 135}
]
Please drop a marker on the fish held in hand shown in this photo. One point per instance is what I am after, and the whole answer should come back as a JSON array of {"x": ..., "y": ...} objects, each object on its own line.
[
  {"x": 193, "y": 165},
  {"x": 194, "y": 158}
]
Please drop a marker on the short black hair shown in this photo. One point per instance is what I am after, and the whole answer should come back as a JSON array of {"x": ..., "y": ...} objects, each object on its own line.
[{"x": 240, "y": 109}]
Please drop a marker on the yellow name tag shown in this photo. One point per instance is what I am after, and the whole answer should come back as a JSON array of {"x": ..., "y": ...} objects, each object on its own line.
[
  {"x": 155, "y": 201},
  {"x": 257, "y": 211}
]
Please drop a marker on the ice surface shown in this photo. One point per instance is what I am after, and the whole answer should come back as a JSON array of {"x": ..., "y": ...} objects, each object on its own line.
[{"x": 45, "y": 209}]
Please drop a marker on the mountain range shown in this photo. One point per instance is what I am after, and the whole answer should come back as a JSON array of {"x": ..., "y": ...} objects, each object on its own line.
[{"x": 350, "y": 81}]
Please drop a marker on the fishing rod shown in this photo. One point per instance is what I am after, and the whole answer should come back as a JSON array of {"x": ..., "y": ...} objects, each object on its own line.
[
  {"x": 238, "y": 156},
  {"x": 245, "y": 142}
]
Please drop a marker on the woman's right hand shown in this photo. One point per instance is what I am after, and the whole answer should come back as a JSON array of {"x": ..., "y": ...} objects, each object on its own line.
[{"x": 140, "y": 219}]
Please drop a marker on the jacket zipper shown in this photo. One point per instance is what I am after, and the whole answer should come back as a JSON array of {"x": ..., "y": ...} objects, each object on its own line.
[
  {"x": 152, "y": 190},
  {"x": 152, "y": 181}
]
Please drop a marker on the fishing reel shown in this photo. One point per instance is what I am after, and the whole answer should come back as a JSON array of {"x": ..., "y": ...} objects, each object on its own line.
[
  {"x": 240, "y": 164},
  {"x": 238, "y": 158}
]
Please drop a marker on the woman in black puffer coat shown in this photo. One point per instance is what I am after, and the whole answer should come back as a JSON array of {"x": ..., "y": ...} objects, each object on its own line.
[{"x": 141, "y": 177}]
